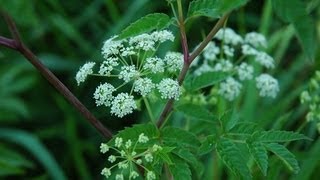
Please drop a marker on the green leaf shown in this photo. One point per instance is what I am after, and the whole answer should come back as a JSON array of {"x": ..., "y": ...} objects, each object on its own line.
[
  {"x": 244, "y": 129},
  {"x": 180, "y": 170},
  {"x": 232, "y": 157},
  {"x": 278, "y": 136},
  {"x": 146, "y": 24},
  {"x": 229, "y": 119},
  {"x": 32, "y": 144},
  {"x": 207, "y": 145},
  {"x": 178, "y": 137},
  {"x": 194, "y": 83},
  {"x": 259, "y": 154},
  {"x": 213, "y": 8},
  {"x": 191, "y": 159},
  {"x": 285, "y": 155},
  {"x": 294, "y": 12},
  {"x": 196, "y": 111}
]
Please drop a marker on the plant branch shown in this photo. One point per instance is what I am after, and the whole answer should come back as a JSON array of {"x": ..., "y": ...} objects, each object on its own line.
[
  {"x": 209, "y": 37},
  {"x": 188, "y": 59},
  {"x": 17, "y": 44}
]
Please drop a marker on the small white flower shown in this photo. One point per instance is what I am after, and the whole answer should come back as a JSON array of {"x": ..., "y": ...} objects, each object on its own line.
[
  {"x": 265, "y": 60},
  {"x": 169, "y": 89},
  {"x": 134, "y": 174},
  {"x": 156, "y": 147},
  {"x": 229, "y": 36},
  {"x": 128, "y": 144},
  {"x": 257, "y": 40},
  {"x": 119, "y": 177},
  {"x": 103, "y": 94},
  {"x": 151, "y": 175},
  {"x": 248, "y": 50},
  {"x": 106, "y": 172},
  {"x": 174, "y": 61},
  {"x": 104, "y": 148},
  {"x": 144, "y": 41},
  {"x": 143, "y": 138},
  {"x": 139, "y": 161},
  {"x": 112, "y": 47},
  {"x": 143, "y": 86},
  {"x": 267, "y": 85},
  {"x": 84, "y": 71},
  {"x": 223, "y": 65},
  {"x": 112, "y": 158},
  {"x": 122, "y": 153},
  {"x": 107, "y": 66},
  {"x": 133, "y": 153},
  {"x": 203, "y": 69},
  {"x": 154, "y": 64},
  {"x": 128, "y": 51},
  {"x": 148, "y": 157},
  {"x": 118, "y": 142},
  {"x": 123, "y": 165},
  {"x": 128, "y": 73},
  {"x": 162, "y": 36},
  {"x": 211, "y": 51},
  {"x": 230, "y": 89},
  {"x": 229, "y": 51},
  {"x": 245, "y": 71},
  {"x": 123, "y": 104}
]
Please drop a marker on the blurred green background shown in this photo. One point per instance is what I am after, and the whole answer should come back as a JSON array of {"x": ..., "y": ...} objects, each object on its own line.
[{"x": 43, "y": 137}]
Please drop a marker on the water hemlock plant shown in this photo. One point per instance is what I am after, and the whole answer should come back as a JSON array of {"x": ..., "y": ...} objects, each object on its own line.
[{"x": 217, "y": 71}]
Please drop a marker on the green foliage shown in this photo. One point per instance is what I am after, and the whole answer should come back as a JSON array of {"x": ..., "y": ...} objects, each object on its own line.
[
  {"x": 278, "y": 136},
  {"x": 34, "y": 146},
  {"x": 213, "y": 8},
  {"x": 193, "y": 83},
  {"x": 146, "y": 24},
  {"x": 259, "y": 154},
  {"x": 196, "y": 111},
  {"x": 295, "y": 12}
]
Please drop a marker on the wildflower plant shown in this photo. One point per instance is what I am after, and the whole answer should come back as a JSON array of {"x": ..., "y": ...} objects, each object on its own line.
[{"x": 223, "y": 65}]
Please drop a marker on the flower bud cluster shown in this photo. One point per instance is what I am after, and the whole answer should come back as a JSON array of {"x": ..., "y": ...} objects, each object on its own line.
[
  {"x": 240, "y": 57},
  {"x": 311, "y": 97},
  {"x": 133, "y": 62},
  {"x": 128, "y": 158}
]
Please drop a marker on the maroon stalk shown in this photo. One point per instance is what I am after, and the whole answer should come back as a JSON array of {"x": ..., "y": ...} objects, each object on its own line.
[{"x": 17, "y": 44}]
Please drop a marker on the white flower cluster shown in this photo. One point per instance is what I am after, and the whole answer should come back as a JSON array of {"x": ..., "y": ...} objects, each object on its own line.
[
  {"x": 130, "y": 158},
  {"x": 132, "y": 61},
  {"x": 232, "y": 54}
]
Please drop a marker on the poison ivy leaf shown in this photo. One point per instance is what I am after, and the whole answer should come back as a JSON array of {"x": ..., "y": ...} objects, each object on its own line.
[
  {"x": 196, "y": 111},
  {"x": 180, "y": 170},
  {"x": 285, "y": 155},
  {"x": 193, "y": 83},
  {"x": 294, "y": 11},
  {"x": 278, "y": 136},
  {"x": 232, "y": 157},
  {"x": 146, "y": 24},
  {"x": 213, "y": 8},
  {"x": 178, "y": 137},
  {"x": 259, "y": 154}
]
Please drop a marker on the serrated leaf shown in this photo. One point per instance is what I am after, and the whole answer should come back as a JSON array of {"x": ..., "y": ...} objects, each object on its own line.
[
  {"x": 213, "y": 8},
  {"x": 259, "y": 154},
  {"x": 229, "y": 119},
  {"x": 278, "y": 136},
  {"x": 180, "y": 170},
  {"x": 193, "y": 83},
  {"x": 244, "y": 129},
  {"x": 195, "y": 111},
  {"x": 191, "y": 159},
  {"x": 178, "y": 137},
  {"x": 294, "y": 11},
  {"x": 232, "y": 157},
  {"x": 132, "y": 133},
  {"x": 207, "y": 145},
  {"x": 146, "y": 24},
  {"x": 285, "y": 155}
]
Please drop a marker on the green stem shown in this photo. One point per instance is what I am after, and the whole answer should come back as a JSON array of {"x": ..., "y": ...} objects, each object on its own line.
[{"x": 146, "y": 102}]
